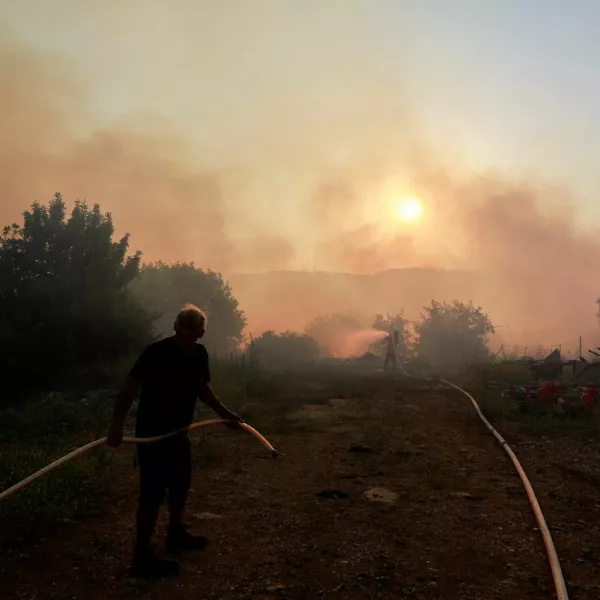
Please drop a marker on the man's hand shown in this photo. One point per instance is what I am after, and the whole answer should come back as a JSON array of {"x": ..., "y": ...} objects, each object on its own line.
[
  {"x": 210, "y": 399},
  {"x": 115, "y": 434},
  {"x": 233, "y": 419},
  {"x": 122, "y": 406}
]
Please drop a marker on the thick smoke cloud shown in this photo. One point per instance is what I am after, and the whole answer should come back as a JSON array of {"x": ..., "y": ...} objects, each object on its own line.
[
  {"x": 137, "y": 169},
  {"x": 307, "y": 153}
]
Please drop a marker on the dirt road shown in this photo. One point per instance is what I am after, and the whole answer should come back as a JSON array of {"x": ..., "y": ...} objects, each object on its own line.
[{"x": 425, "y": 505}]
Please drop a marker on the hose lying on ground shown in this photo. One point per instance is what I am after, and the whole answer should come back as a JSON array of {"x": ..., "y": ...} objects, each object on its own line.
[
  {"x": 130, "y": 440},
  {"x": 557, "y": 575},
  {"x": 559, "y": 581}
]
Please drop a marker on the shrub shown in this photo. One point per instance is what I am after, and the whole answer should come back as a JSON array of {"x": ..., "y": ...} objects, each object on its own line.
[{"x": 64, "y": 302}]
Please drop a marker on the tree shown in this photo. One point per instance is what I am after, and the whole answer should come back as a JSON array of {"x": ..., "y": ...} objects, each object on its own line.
[
  {"x": 454, "y": 333},
  {"x": 287, "y": 349},
  {"x": 64, "y": 303},
  {"x": 164, "y": 289}
]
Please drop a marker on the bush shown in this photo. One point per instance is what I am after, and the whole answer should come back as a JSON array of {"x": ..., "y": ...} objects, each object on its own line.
[
  {"x": 164, "y": 289},
  {"x": 57, "y": 415},
  {"x": 452, "y": 334},
  {"x": 63, "y": 296},
  {"x": 284, "y": 350}
]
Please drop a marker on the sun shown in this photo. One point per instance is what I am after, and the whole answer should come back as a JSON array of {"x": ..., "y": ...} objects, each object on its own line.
[{"x": 409, "y": 210}]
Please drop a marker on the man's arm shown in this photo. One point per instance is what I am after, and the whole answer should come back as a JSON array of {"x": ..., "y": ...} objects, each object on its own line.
[
  {"x": 208, "y": 397},
  {"x": 124, "y": 401}
]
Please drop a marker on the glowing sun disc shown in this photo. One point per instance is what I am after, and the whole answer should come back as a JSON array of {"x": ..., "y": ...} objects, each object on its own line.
[{"x": 409, "y": 210}]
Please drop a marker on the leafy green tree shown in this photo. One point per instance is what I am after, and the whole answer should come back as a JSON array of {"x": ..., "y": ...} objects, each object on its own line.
[
  {"x": 285, "y": 350},
  {"x": 164, "y": 289},
  {"x": 64, "y": 302},
  {"x": 454, "y": 333}
]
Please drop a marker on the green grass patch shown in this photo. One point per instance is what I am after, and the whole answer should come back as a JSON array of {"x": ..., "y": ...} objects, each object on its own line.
[
  {"x": 35, "y": 435},
  {"x": 67, "y": 492}
]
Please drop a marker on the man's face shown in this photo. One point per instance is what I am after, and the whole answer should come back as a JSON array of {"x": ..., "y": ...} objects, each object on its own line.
[{"x": 189, "y": 331}]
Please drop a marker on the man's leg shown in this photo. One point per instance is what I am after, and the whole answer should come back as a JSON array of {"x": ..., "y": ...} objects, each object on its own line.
[
  {"x": 178, "y": 539},
  {"x": 180, "y": 480},
  {"x": 146, "y": 517},
  {"x": 153, "y": 485},
  {"x": 177, "y": 501}
]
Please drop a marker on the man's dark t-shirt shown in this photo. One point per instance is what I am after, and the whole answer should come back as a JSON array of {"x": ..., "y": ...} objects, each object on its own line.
[{"x": 170, "y": 379}]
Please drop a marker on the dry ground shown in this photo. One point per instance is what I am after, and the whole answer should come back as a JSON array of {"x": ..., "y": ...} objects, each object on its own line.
[{"x": 460, "y": 526}]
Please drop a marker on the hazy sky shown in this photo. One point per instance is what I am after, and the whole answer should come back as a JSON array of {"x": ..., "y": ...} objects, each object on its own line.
[
  {"x": 506, "y": 83},
  {"x": 256, "y": 135}
]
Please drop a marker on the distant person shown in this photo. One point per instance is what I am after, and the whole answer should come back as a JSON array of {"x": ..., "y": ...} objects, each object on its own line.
[
  {"x": 170, "y": 375},
  {"x": 390, "y": 354}
]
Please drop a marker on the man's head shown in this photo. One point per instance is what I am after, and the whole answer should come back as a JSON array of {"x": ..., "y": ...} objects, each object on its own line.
[{"x": 190, "y": 324}]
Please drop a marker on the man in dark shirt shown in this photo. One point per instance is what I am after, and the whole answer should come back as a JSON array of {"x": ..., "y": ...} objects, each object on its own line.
[{"x": 170, "y": 375}]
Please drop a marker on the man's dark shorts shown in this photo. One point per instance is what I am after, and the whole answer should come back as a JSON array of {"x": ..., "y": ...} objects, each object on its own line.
[{"x": 164, "y": 466}]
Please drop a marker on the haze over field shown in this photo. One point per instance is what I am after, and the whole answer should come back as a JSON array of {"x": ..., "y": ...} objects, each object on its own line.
[{"x": 274, "y": 135}]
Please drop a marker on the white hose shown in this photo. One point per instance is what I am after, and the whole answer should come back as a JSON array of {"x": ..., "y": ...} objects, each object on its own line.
[
  {"x": 129, "y": 440},
  {"x": 557, "y": 575}
]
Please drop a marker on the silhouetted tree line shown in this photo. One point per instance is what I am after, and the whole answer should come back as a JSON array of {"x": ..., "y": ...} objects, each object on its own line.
[
  {"x": 73, "y": 301},
  {"x": 446, "y": 334}
]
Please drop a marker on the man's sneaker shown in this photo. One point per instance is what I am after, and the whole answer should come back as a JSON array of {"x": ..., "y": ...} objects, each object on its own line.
[
  {"x": 147, "y": 565},
  {"x": 179, "y": 540}
]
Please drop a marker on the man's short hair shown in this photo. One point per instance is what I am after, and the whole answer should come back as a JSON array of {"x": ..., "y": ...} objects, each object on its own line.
[{"x": 190, "y": 312}]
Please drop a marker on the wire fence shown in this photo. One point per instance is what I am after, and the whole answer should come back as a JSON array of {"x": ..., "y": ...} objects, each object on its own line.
[{"x": 569, "y": 349}]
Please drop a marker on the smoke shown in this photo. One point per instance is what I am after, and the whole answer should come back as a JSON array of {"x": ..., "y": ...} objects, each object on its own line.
[
  {"x": 533, "y": 267},
  {"x": 358, "y": 343},
  {"x": 538, "y": 268},
  {"x": 343, "y": 334},
  {"x": 138, "y": 169},
  {"x": 285, "y": 145}
]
